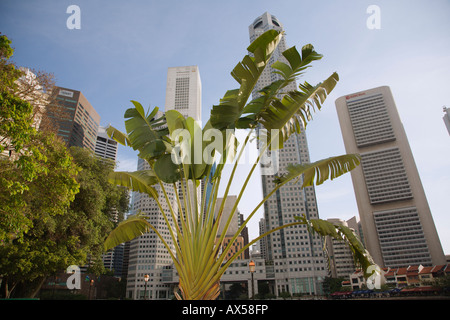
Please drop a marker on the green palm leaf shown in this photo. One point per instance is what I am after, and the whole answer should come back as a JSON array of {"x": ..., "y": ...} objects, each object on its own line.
[
  {"x": 145, "y": 132},
  {"x": 127, "y": 230},
  {"x": 325, "y": 228},
  {"x": 118, "y": 136},
  {"x": 321, "y": 170},
  {"x": 139, "y": 181},
  {"x": 294, "y": 110},
  {"x": 246, "y": 73}
]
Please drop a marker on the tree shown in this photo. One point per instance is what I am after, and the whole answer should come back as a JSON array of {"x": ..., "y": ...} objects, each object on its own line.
[
  {"x": 331, "y": 285},
  {"x": 56, "y": 205},
  {"x": 170, "y": 146},
  {"x": 22, "y": 147},
  {"x": 72, "y": 215},
  {"x": 47, "y": 244},
  {"x": 92, "y": 212}
]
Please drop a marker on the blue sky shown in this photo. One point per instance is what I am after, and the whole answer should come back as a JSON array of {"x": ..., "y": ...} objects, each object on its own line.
[{"x": 124, "y": 48}]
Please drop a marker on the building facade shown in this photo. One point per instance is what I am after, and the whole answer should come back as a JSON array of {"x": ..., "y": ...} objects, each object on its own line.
[
  {"x": 147, "y": 254},
  {"x": 78, "y": 122},
  {"x": 105, "y": 147},
  {"x": 184, "y": 91},
  {"x": 396, "y": 220},
  {"x": 298, "y": 258}
]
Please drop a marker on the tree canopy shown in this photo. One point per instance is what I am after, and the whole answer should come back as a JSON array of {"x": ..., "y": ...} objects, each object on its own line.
[{"x": 56, "y": 205}]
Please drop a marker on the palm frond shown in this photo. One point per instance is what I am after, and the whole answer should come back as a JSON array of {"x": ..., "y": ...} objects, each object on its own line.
[{"x": 321, "y": 170}]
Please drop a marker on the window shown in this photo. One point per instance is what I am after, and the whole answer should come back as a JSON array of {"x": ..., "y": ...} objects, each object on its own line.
[
  {"x": 385, "y": 176},
  {"x": 370, "y": 121}
]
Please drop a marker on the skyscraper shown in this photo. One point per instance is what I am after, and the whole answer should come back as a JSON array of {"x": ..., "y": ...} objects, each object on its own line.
[
  {"x": 147, "y": 253},
  {"x": 184, "y": 91},
  {"x": 105, "y": 147},
  {"x": 297, "y": 255},
  {"x": 184, "y": 94},
  {"x": 79, "y": 125},
  {"x": 396, "y": 220}
]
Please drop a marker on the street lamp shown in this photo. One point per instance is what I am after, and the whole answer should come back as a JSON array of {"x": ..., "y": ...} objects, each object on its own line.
[
  {"x": 91, "y": 283},
  {"x": 146, "y": 277},
  {"x": 252, "y": 267}
]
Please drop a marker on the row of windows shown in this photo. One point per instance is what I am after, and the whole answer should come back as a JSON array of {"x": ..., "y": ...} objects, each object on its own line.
[
  {"x": 385, "y": 176},
  {"x": 401, "y": 236},
  {"x": 370, "y": 121}
]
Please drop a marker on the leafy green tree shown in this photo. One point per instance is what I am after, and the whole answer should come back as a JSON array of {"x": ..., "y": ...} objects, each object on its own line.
[
  {"x": 72, "y": 216},
  {"x": 55, "y": 205},
  {"x": 93, "y": 210},
  {"x": 285, "y": 295},
  {"x": 22, "y": 151},
  {"x": 47, "y": 244},
  {"x": 331, "y": 285},
  {"x": 198, "y": 257}
]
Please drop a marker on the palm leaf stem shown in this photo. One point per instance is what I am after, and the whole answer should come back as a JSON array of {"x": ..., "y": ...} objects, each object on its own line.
[{"x": 212, "y": 239}]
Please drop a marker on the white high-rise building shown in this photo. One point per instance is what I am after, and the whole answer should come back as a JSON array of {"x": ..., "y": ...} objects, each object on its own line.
[
  {"x": 184, "y": 91},
  {"x": 105, "y": 147},
  {"x": 148, "y": 255},
  {"x": 298, "y": 257},
  {"x": 396, "y": 220}
]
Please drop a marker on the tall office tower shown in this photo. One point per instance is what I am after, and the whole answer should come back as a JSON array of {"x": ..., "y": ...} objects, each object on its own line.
[
  {"x": 446, "y": 118},
  {"x": 244, "y": 234},
  {"x": 262, "y": 243},
  {"x": 184, "y": 94},
  {"x": 105, "y": 147},
  {"x": 297, "y": 255},
  {"x": 78, "y": 125},
  {"x": 396, "y": 220},
  {"x": 147, "y": 254},
  {"x": 228, "y": 206},
  {"x": 184, "y": 91},
  {"x": 232, "y": 228}
]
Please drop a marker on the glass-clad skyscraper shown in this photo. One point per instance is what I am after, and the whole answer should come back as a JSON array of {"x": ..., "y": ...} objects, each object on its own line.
[{"x": 297, "y": 256}]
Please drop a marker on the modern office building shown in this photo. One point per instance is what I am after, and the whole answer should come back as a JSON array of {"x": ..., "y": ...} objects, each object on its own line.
[
  {"x": 184, "y": 91},
  {"x": 262, "y": 243},
  {"x": 396, "y": 220},
  {"x": 227, "y": 208},
  {"x": 235, "y": 223},
  {"x": 147, "y": 254},
  {"x": 297, "y": 256},
  {"x": 105, "y": 147},
  {"x": 78, "y": 121}
]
